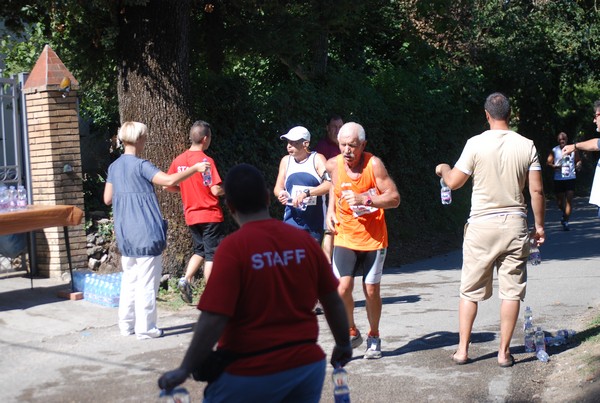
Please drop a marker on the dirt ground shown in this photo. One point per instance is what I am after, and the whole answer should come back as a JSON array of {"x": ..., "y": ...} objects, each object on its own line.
[{"x": 576, "y": 373}]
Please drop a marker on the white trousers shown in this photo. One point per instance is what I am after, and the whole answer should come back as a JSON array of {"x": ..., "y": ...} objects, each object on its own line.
[{"x": 139, "y": 287}]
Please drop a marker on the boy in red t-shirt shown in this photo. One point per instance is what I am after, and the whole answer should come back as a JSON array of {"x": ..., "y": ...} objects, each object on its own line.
[{"x": 201, "y": 207}]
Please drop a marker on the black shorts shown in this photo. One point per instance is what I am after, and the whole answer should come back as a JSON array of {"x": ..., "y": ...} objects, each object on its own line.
[
  {"x": 353, "y": 263},
  {"x": 564, "y": 186},
  {"x": 206, "y": 238}
]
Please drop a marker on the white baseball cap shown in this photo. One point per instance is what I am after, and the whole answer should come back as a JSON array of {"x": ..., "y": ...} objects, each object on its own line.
[{"x": 297, "y": 133}]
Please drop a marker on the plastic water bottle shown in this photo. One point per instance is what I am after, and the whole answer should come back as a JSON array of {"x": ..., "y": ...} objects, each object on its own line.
[
  {"x": 566, "y": 333},
  {"x": 555, "y": 341},
  {"x": 565, "y": 167},
  {"x": 21, "y": 197},
  {"x": 540, "y": 345},
  {"x": 529, "y": 338},
  {"x": 527, "y": 316},
  {"x": 12, "y": 198},
  {"x": 535, "y": 257},
  {"x": 341, "y": 390},
  {"x": 3, "y": 197},
  {"x": 445, "y": 192},
  {"x": 206, "y": 175},
  {"x": 177, "y": 395}
]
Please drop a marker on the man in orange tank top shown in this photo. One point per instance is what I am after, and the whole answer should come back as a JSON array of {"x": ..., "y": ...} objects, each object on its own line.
[{"x": 362, "y": 189}]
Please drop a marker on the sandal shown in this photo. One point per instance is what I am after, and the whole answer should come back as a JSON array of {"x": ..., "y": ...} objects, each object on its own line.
[
  {"x": 459, "y": 361},
  {"x": 508, "y": 363}
]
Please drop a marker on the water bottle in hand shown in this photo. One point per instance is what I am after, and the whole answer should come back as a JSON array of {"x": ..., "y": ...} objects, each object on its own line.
[
  {"x": 341, "y": 390},
  {"x": 177, "y": 395},
  {"x": 565, "y": 167},
  {"x": 535, "y": 257},
  {"x": 445, "y": 192},
  {"x": 206, "y": 175}
]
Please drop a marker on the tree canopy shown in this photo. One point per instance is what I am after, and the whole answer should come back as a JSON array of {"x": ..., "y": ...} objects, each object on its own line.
[{"x": 415, "y": 73}]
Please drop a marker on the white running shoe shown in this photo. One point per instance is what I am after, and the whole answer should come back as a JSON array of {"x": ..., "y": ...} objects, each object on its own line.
[
  {"x": 151, "y": 334},
  {"x": 373, "y": 348}
]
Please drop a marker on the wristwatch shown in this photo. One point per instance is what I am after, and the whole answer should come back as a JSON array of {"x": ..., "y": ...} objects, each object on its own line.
[
  {"x": 369, "y": 201},
  {"x": 307, "y": 191}
]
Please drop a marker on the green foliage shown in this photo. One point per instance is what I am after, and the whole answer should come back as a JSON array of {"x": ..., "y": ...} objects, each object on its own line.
[
  {"x": 83, "y": 35},
  {"x": 93, "y": 188},
  {"x": 414, "y": 73}
]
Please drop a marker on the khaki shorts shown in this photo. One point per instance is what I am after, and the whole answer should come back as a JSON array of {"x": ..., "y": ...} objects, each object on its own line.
[{"x": 499, "y": 242}]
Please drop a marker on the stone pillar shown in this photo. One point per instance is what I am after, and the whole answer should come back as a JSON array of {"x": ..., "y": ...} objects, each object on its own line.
[{"x": 55, "y": 158}]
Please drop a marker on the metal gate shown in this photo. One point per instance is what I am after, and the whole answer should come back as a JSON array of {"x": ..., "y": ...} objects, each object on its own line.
[{"x": 14, "y": 145}]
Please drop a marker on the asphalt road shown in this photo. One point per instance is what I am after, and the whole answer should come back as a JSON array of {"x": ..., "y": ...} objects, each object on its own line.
[{"x": 55, "y": 350}]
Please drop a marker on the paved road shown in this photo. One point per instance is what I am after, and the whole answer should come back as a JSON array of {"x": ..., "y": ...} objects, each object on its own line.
[{"x": 55, "y": 350}]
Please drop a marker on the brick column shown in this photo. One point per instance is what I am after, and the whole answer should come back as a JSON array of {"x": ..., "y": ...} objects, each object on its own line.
[{"x": 55, "y": 158}]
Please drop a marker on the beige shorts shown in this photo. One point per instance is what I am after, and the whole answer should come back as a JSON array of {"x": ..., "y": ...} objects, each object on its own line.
[{"x": 499, "y": 242}]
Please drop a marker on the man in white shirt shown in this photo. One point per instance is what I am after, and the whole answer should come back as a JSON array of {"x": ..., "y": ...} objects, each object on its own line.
[{"x": 500, "y": 162}]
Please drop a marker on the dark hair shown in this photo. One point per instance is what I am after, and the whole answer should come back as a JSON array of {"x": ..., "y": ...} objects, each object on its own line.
[
  {"x": 597, "y": 105},
  {"x": 498, "y": 106},
  {"x": 333, "y": 116},
  {"x": 246, "y": 189},
  {"x": 199, "y": 130}
]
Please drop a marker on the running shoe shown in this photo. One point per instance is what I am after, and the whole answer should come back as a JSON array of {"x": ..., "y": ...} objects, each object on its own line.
[
  {"x": 355, "y": 338},
  {"x": 185, "y": 289},
  {"x": 373, "y": 348},
  {"x": 126, "y": 332},
  {"x": 151, "y": 334},
  {"x": 565, "y": 225}
]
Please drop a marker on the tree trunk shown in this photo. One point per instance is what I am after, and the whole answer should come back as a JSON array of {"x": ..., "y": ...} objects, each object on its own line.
[{"x": 154, "y": 88}]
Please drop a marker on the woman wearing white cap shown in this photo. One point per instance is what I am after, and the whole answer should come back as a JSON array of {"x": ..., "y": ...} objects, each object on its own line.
[{"x": 301, "y": 184}]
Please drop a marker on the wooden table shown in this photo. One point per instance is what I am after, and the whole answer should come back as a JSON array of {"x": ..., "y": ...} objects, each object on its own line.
[{"x": 37, "y": 217}]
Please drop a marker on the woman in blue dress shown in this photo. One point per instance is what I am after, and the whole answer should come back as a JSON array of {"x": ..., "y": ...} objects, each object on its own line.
[{"x": 140, "y": 229}]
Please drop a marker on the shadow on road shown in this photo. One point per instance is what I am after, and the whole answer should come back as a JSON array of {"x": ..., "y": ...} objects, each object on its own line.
[
  {"x": 401, "y": 299},
  {"x": 25, "y": 298},
  {"x": 438, "y": 340},
  {"x": 175, "y": 330}
]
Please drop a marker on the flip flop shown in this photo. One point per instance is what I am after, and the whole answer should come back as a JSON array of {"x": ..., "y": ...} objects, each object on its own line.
[
  {"x": 508, "y": 363},
  {"x": 459, "y": 362}
]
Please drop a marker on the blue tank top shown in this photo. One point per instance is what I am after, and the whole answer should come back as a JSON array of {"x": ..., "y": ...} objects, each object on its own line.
[{"x": 300, "y": 176}]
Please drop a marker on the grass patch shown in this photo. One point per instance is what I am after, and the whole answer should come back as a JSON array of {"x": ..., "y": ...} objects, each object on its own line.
[
  {"x": 169, "y": 297},
  {"x": 592, "y": 333},
  {"x": 590, "y": 347}
]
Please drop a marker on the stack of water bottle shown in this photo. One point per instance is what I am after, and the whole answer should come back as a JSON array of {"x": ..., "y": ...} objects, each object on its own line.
[
  {"x": 536, "y": 340},
  {"x": 11, "y": 198},
  {"x": 101, "y": 289}
]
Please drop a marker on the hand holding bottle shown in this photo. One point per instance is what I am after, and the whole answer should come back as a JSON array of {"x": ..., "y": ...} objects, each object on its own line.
[{"x": 206, "y": 174}]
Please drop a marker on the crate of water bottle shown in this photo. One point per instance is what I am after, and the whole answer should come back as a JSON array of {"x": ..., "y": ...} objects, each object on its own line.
[
  {"x": 103, "y": 289},
  {"x": 78, "y": 279}
]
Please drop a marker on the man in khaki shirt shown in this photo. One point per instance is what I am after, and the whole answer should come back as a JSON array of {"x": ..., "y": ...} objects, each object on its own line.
[{"x": 500, "y": 162}]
